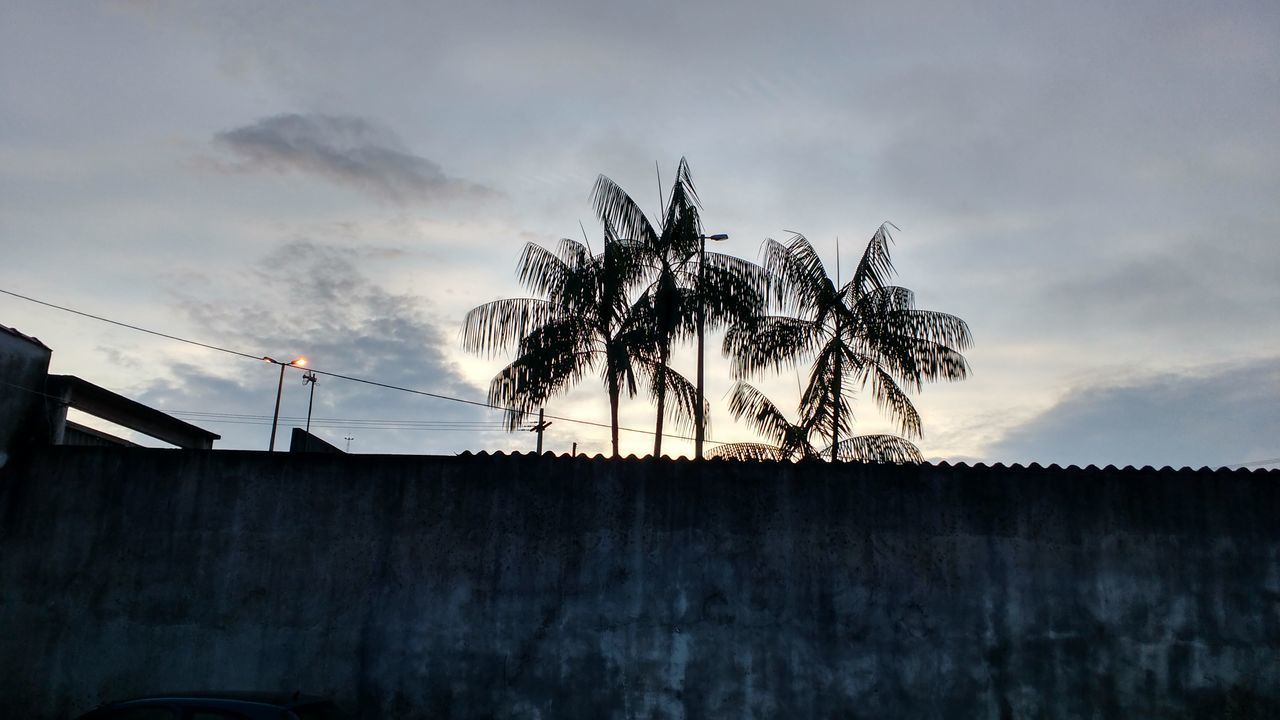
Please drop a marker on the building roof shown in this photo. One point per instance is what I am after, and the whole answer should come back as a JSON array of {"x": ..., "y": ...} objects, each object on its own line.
[
  {"x": 34, "y": 341},
  {"x": 1053, "y": 468},
  {"x": 99, "y": 401}
]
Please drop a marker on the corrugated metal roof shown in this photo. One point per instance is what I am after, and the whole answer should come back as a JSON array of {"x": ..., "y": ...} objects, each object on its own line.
[{"x": 1033, "y": 467}]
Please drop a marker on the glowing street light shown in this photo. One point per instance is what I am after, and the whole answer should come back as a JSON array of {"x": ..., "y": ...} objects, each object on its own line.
[{"x": 296, "y": 362}]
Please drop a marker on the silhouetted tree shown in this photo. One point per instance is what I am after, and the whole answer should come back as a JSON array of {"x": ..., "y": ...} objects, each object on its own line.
[
  {"x": 583, "y": 322},
  {"x": 724, "y": 289},
  {"x": 794, "y": 441},
  {"x": 864, "y": 332}
]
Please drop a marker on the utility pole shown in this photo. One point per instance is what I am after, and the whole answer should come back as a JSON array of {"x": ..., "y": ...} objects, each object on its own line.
[
  {"x": 542, "y": 425},
  {"x": 310, "y": 377},
  {"x": 348, "y": 439}
]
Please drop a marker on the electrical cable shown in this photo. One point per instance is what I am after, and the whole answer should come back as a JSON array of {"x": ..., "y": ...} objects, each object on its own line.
[
  {"x": 340, "y": 376},
  {"x": 127, "y": 325}
]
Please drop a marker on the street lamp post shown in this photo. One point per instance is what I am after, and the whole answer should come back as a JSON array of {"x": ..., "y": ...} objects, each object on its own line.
[
  {"x": 296, "y": 362},
  {"x": 310, "y": 377},
  {"x": 699, "y": 431}
]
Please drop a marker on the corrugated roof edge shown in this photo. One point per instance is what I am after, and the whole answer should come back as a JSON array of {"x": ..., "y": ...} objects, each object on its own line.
[{"x": 941, "y": 465}]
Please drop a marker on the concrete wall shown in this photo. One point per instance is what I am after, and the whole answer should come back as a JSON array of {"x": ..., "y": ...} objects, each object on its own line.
[
  {"x": 540, "y": 587},
  {"x": 24, "y": 366}
]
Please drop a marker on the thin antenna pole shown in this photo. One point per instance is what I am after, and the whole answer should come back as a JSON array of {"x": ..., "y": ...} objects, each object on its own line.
[
  {"x": 837, "y": 263},
  {"x": 661, "y": 215}
]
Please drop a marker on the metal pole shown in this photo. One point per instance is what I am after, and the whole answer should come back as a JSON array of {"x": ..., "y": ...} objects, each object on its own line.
[
  {"x": 697, "y": 408},
  {"x": 541, "y": 427},
  {"x": 276, "y": 418},
  {"x": 311, "y": 378}
]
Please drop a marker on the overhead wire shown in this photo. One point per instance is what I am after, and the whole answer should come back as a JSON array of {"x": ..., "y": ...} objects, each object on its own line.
[
  {"x": 340, "y": 376},
  {"x": 374, "y": 423}
]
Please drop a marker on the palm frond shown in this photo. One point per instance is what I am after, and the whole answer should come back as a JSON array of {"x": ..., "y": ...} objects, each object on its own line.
[
  {"x": 545, "y": 272},
  {"x": 747, "y": 451},
  {"x": 748, "y": 403},
  {"x": 877, "y": 449},
  {"x": 818, "y": 401},
  {"x": 913, "y": 361},
  {"x": 891, "y": 399},
  {"x": 875, "y": 267},
  {"x": 495, "y": 326},
  {"x": 615, "y": 207},
  {"x": 539, "y": 373},
  {"x": 768, "y": 342},
  {"x": 800, "y": 284},
  {"x": 681, "y": 395},
  {"x": 732, "y": 290}
]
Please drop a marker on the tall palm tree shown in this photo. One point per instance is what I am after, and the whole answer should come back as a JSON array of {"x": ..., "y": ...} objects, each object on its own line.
[
  {"x": 864, "y": 332},
  {"x": 794, "y": 441},
  {"x": 688, "y": 288},
  {"x": 582, "y": 322}
]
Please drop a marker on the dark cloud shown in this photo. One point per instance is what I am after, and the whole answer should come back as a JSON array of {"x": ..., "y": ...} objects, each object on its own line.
[
  {"x": 311, "y": 299},
  {"x": 1217, "y": 416},
  {"x": 348, "y": 150}
]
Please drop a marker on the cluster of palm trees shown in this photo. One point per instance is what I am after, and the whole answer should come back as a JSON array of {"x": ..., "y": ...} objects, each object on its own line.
[{"x": 620, "y": 311}]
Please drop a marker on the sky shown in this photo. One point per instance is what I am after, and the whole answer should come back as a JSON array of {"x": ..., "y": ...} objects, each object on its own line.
[{"x": 1092, "y": 186}]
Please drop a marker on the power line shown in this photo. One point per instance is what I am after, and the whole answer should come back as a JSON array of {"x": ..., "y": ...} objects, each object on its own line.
[
  {"x": 340, "y": 376},
  {"x": 349, "y": 423},
  {"x": 193, "y": 413},
  {"x": 127, "y": 325}
]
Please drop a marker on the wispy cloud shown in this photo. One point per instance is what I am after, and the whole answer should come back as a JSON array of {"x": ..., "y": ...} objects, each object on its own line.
[
  {"x": 349, "y": 150},
  {"x": 311, "y": 299}
]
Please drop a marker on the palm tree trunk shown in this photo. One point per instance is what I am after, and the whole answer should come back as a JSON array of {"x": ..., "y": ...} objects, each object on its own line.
[
  {"x": 698, "y": 419},
  {"x": 613, "y": 409},
  {"x": 836, "y": 391},
  {"x": 661, "y": 380}
]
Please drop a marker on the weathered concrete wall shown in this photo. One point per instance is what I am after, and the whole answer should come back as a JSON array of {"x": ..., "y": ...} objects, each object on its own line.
[
  {"x": 24, "y": 366},
  {"x": 547, "y": 587}
]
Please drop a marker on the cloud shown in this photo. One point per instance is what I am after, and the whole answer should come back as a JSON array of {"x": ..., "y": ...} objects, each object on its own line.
[
  {"x": 1215, "y": 416},
  {"x": 347, "y": 150},
  {"x": 311, "y": 299}
]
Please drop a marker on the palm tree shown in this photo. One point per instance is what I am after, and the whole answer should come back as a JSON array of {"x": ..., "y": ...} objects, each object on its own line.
[
  {"x": 583, "y": 322},
  {"x": 794, "y": 441},
  {"x": 865, "y": 332},
  {"x": 689, "y": 289}
]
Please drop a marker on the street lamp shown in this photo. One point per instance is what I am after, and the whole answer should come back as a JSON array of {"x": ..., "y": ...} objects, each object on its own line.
[
  {"x": 296, "y": 362},
  {"x": 699, "y": 431}
]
